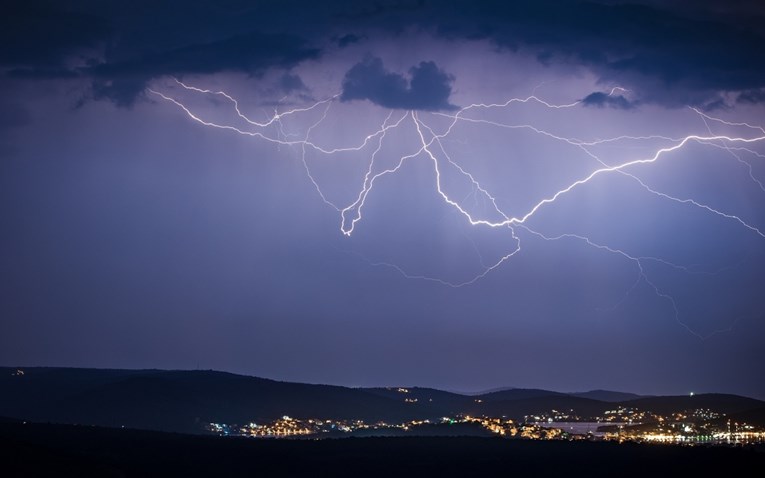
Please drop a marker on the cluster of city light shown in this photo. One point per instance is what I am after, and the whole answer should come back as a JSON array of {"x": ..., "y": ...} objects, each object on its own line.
[
  {"x": 431, "y": 148},
  {"x": 715, "y": 438},
  {"x": 287, "y": 426},
  {"x": 689, "y": 427}
]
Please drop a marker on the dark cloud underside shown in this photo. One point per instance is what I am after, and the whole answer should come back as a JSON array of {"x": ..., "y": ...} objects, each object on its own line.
[
  {"x": 601, "y": 100},
  {"x": 428, "y": 89},
  {"x": 752, "y": 96},
  {"x": 252, "y": 53},
  {"x": 667, "y": 57},
  {"x": 43, "y": 38},
  {"x": 666, "y": 52}
]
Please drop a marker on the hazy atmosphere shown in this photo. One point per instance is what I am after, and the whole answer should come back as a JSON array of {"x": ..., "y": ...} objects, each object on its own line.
[{"x": 463, "y": 195}]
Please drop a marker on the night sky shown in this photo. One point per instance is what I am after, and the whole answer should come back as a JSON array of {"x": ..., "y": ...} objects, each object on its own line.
[{"x": 509, "y": 243}]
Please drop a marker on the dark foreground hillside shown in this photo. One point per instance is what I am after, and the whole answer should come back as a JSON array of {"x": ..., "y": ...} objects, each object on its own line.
[
  {"x": 63, "y": 450},
  {"x": 185, "y": 401}
]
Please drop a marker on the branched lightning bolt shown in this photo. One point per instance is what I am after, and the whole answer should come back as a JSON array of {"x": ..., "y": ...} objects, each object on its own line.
[
  {"x": 432, "y": 149},
  {"x": 727, "y": 148}
]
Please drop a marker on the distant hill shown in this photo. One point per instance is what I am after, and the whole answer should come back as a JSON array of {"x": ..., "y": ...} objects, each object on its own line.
[
  {"x": 719, "y": 402},
  {"x": 752, "y": 417},
  {"x": 607, "y": 395},
  {"x": 517, "y": 394},
  {"x": 517, "y": 409},
  {"x": 436, "y": 400},
  {"x": 185, "y": 401}
]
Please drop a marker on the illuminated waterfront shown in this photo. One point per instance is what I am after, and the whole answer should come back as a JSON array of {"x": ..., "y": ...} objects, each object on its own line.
[{"x": 674, "y": 429}]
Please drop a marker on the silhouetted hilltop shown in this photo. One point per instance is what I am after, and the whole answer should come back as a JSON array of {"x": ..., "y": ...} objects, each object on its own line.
[
  {"x": 517, "y": 394},
  {"x": 719, "y": 402},
  {"x": 185, "y": 401},
  {"x": 521, "y": 407},
  {"x": 607, "y": 395},
  {"x": 434, "y": 399},
  {"x": 182, "y": 400}
]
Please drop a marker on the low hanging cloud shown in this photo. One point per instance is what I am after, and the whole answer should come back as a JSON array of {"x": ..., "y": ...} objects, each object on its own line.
[
  {"x": 599, "y": 99},
  {"x": 290, "y": 83},
  {"x": 348, "y": 39},
  {"x": 252, "y": 53},
  {"x": 428, "y": 87},
  {"x": 751, "y": 97},
  {"x": 39, "y": 41},
  {"x": 669, "y": 53}
]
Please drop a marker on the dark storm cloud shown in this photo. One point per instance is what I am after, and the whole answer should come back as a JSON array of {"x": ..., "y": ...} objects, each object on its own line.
[
  {"x": 382, "y": 10},
  {"x": 667, "y": 57},
  {"x": 752, "y": 96},
  {"x": 428, "y": 89},
  {"x": 667, "y": 52},
  {"x": 715, "y": 104},
  {"x": 348, "y": 39},
  {"x": 289, "y": 83},
  {"x": 40, "y": 42},
  {"x": 42, "y": 38},
  {"x": 600, "y": 100},
  {"x": 252, "y": 53},
  {"x": 43, "y": 73}
]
